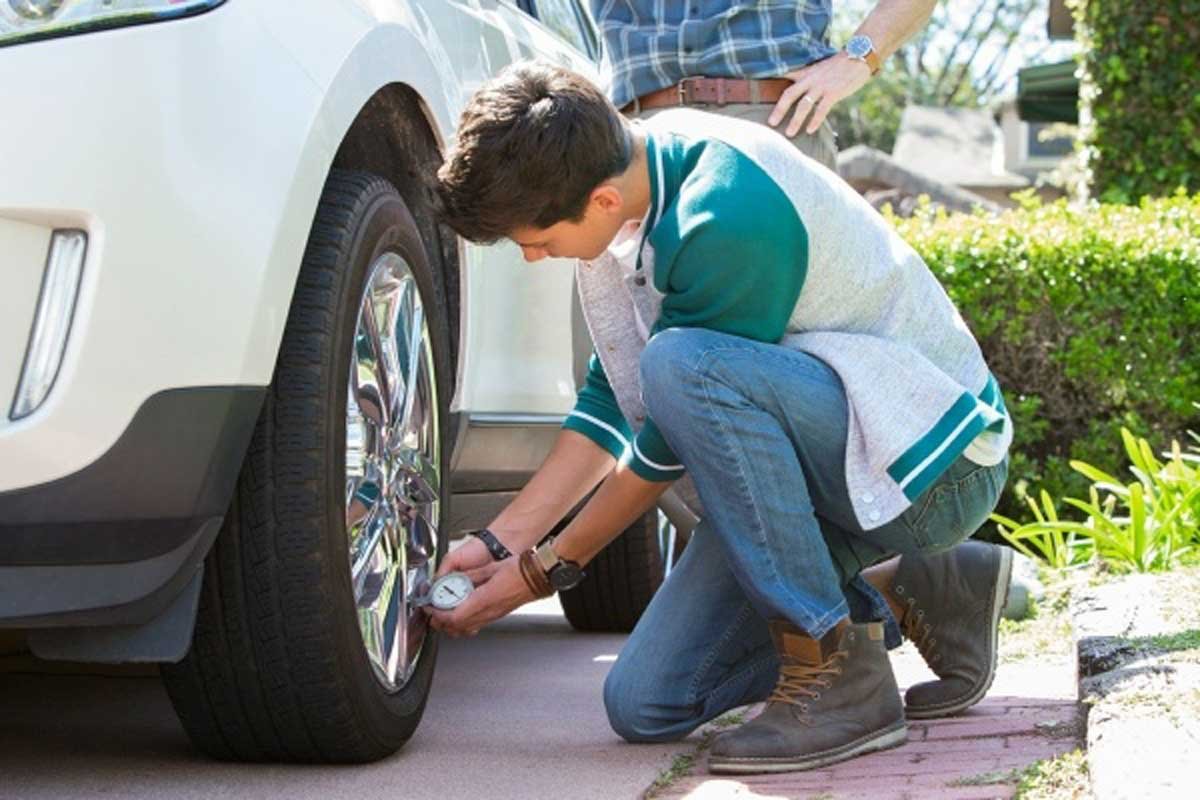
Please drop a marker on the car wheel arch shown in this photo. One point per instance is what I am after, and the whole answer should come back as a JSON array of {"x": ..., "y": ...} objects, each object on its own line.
[{"x": 393, "y": 137}]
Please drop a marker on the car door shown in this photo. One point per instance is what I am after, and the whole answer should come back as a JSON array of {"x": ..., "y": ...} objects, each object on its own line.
[{"x": 518, "y": 362}]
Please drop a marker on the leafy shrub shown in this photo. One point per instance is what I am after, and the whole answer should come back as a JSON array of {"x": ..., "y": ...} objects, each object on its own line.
[
  {"x": 1141, "y": 82},
  {"x": 1158, "y": 526},
  {"x": 1090, "y": 319}
]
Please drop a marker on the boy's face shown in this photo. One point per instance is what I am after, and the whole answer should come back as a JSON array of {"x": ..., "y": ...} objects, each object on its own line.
[{"x": 587, "y": 239}]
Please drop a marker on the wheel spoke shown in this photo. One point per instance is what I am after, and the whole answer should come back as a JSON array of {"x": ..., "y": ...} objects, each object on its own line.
[
  {"x": 421, "y": 534},
  {"x": 369, "y": 382},
  {"x": 390, "y": 299},
  {"x": 363, "y": 497},
  {"x": 411, "y": 362},
  {"x": 399, "y": 611},
  {"x": 371, "y": 555}
]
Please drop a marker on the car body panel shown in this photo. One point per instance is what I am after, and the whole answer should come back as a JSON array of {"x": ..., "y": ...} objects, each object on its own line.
[
  {"x": 193, "y": 154},
  {"x": 205, "y": 144}
]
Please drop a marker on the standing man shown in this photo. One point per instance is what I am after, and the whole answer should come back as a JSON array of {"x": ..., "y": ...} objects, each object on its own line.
[
  {"x": 765, "y": 61},
  {"x": 766, "y": 339}
]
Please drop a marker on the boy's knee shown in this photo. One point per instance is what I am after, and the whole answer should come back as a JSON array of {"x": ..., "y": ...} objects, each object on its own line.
[{"x": 627, "y": 713}]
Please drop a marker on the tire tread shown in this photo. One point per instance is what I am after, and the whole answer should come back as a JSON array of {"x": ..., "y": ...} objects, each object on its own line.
[{"x": 262, "y": 681}]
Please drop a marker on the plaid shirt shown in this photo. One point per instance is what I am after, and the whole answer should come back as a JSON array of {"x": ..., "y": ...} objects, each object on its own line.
[{"x": 651, "y": 44}]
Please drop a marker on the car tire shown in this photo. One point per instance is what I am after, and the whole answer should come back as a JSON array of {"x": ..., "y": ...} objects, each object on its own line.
[
  {"x": 621, "y": 580},
  {"x": 279, "y": 668}
]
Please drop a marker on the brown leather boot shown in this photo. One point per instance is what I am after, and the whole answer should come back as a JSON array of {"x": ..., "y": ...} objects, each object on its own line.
[
  {"x": 836, "y": 698},
  {"x": 952, "y": 604}
]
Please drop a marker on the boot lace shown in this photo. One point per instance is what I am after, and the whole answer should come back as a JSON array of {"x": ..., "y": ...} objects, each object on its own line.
[
  {"x": 798, "y": 681},
  {"x": 920, "y": 632}
]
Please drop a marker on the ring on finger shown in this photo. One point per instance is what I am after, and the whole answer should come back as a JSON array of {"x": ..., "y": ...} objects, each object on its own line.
[{"x": 807, "y": 99}]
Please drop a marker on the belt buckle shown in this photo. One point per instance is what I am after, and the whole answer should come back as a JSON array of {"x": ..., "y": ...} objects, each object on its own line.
[{"x": 683, "y": 91}]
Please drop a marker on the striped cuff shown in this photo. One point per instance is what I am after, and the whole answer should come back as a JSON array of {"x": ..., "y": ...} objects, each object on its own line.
[
  {"x": 651, "y": 457},
  {"x": 920, "y": 465},
  {"x": 602, "y": 433},
  {"x": 994, "y": 399}
]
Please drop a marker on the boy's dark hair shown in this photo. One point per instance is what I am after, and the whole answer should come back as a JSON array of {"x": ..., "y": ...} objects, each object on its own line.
[{"x": 532, "y": 144}]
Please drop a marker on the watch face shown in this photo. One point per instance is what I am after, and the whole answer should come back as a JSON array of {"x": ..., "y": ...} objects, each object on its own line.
[
  {"x": 566, "y": 575},
  {"x": 859, "y": 46}
]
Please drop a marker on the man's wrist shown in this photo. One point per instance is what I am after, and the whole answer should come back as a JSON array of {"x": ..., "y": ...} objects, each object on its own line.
[
  {"x": 861, "y": 48},
  {"x": 492, "y": 542}
]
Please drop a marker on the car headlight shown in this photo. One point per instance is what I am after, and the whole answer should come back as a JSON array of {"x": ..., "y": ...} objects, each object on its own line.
[{"x": 26, "y": 20}]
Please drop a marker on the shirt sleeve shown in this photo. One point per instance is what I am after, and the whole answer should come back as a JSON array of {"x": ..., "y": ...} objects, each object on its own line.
[
  {"x": 596, "y": 414},
  {"x": 731, "y": 255},
  {"x": 730, "y": 259}
]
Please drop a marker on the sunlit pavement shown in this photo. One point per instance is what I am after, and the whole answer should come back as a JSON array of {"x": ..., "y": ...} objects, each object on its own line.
[{"x": 515, "y": 712}]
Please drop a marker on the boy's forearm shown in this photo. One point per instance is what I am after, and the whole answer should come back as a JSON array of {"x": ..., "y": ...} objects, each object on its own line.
[
  {"x": 572, "y": 469},
  {"x": 621, "y": 499}
]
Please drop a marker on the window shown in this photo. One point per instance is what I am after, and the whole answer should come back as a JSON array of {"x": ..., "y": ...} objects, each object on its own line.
[
  {"x": 1057, "y": 147},
  {"x": 568, "y": 19}
]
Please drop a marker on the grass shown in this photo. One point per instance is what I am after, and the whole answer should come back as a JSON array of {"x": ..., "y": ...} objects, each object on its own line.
[
  {"x": 683, "y": 763},
  {"x": 989, "y": 778},
  {"x": 1063, "y": 777},
  {"x": 1170, "y": 643},
  {"x": 729, "y": 720},
  {"x": 1045, "y": 634},
  {"x": 681, "y": 766}
]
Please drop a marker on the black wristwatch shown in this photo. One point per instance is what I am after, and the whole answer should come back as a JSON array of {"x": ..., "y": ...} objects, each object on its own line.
[
  {"x": 563, "y": 574},
  {"x": 495, "y": 546}
]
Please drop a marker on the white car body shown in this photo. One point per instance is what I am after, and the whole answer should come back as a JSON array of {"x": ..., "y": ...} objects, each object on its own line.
[{"x": 193, "y": 153}]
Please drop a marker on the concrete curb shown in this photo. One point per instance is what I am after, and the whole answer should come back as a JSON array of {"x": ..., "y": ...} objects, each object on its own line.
[{"x": 1143, "y": 736}]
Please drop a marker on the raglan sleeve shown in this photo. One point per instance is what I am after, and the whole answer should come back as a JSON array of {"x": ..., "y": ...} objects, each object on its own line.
[
  {"x": 596, "y": 414},
  {"x": 724, "y": 263}
]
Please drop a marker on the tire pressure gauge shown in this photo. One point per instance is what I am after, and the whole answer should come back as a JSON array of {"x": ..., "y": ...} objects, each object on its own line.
[{"x": 447, "y": 591}]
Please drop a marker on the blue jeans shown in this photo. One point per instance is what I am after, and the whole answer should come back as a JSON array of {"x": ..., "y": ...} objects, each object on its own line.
[{"x": 762, "y": 431}]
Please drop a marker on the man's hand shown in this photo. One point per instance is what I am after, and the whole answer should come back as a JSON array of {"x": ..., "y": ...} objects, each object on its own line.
[
  {"x": 504, "y": 591},
  {"x": 816, "y": 89},
  {"x": 473, "y": 558}
]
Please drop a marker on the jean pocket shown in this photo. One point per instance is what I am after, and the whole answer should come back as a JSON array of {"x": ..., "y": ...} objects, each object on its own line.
[{"x": 956, "y": 506}]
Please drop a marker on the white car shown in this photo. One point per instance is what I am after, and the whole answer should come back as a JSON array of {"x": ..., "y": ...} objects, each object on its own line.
[{"x": 249, "y": 387}]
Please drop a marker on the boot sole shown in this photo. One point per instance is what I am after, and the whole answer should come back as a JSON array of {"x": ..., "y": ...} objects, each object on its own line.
[
  {"x": 890, "y": 737},
  {"x": 999, "y": 598}
]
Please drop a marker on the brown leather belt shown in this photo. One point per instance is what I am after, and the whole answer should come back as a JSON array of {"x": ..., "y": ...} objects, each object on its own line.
[{"x": 713, "y": 92}]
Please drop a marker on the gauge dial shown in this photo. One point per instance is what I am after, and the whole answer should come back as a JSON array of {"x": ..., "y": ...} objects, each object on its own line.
[{"x": 450, "y": 590}]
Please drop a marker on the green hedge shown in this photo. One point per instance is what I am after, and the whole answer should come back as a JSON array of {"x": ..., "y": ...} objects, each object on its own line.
[
  {"x": 1089, "y": 318},
  {"x": 1141, "y": 81}
]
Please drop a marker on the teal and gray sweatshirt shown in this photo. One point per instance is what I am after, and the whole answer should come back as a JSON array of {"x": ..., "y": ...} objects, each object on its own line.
[{"x": 747, "y": 236}]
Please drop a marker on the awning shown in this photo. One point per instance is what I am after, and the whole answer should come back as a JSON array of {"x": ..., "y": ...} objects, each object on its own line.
[{"x": 1048, "y": 93}]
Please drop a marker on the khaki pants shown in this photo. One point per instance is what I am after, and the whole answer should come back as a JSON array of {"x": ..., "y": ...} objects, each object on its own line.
[{"x": 819, "y": 146}]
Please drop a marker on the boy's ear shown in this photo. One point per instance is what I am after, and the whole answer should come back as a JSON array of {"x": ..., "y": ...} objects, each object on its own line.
[{"x": 606, "y": 198}]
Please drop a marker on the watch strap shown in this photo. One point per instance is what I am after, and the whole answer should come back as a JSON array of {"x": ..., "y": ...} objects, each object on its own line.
[
  {"x": 495, "y": 546},
  {"x": 873, "y": 60}
]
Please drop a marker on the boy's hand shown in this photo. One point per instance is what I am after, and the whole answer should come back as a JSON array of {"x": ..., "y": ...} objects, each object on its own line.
[
  {"x": 473, "y": 558},
  {"x": 503, "y": 591}
]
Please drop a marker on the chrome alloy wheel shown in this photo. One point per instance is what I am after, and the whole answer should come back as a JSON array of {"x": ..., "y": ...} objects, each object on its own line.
[{"x": 393, "y": 469}]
